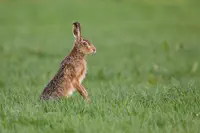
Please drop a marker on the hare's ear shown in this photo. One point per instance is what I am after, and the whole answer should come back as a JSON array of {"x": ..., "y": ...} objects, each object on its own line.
[{"x": 76, "y": 30}]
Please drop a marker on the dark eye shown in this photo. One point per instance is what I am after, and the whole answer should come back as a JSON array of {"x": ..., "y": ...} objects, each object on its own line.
[{"x": 84, "y": 43}]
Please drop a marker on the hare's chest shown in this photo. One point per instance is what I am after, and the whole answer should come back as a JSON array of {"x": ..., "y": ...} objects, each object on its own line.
[{"x": 81, "y": 71}]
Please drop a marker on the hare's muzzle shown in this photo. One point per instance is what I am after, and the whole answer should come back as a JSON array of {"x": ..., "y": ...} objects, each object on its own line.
[{"x": 94, "y": 50}]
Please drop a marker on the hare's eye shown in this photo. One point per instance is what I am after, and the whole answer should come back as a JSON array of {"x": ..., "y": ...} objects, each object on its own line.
[{"x": 85, "y": 43}]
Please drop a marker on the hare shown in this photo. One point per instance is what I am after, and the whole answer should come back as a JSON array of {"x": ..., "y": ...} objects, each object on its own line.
[{"x": 72, "y": 69}]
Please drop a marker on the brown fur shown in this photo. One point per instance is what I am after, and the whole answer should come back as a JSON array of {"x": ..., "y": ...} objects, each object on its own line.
[{"x": 72, "y": 69}]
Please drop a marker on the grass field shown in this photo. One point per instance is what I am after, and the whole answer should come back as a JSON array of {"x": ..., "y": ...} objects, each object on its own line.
[{"x": 144, "y": 77}]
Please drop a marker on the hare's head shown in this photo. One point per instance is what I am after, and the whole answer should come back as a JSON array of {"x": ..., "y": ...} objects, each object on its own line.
[{"x": 83, "y": 45}]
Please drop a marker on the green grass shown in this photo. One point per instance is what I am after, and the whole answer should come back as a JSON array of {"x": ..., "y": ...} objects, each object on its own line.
[{"x": 144, "y": 77}]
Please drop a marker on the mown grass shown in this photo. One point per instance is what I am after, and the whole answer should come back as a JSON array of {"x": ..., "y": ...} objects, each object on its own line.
[{"x": 144, "y": 77}]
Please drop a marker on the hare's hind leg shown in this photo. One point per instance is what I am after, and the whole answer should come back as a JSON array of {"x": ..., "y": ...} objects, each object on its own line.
[{"x": 68, "y": 89}]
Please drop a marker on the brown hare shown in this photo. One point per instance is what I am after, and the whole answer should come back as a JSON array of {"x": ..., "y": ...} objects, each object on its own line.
[{"x": 72, "y": 69}]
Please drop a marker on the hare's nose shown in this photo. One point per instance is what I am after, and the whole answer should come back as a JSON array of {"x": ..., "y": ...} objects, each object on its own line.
[{"x": 94, "y": 50}]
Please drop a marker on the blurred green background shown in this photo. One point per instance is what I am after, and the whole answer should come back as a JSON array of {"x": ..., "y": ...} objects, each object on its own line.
[{"x": 143, "y": 78}]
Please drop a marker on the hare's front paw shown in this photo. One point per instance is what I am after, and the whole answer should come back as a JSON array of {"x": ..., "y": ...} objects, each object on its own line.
[{"x": 87, "y": 100}]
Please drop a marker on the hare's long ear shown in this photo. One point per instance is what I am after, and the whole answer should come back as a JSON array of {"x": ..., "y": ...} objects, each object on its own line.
[{"x": 76, "y": 30}]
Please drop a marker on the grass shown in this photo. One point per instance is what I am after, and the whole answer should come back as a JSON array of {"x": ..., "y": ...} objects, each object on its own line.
[{"x": 144, "y": 77}]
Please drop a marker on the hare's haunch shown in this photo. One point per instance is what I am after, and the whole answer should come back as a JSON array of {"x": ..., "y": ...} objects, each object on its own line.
[{"x": 72, "y": 69}]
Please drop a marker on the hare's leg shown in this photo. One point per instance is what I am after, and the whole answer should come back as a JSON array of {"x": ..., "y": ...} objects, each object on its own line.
[
  {"x": 81, "y": 90},
  {"x": 87, "y": 99}
]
